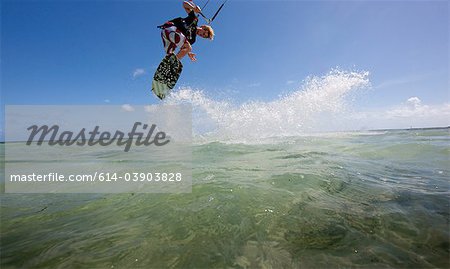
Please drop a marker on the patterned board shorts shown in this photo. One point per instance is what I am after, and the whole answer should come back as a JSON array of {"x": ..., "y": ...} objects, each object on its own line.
[{"x": 172, "y": 38}]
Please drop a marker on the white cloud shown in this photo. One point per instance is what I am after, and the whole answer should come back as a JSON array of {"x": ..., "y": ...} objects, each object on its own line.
[
  {"x": 138, "y": 72},
  {"x": 127, "y": 108},
  {"x": 411, "y": 113},
  {"x": 413, "y": 107},
  {"x": 289, "y": 82},
  {"x": 414, "y": 102}
]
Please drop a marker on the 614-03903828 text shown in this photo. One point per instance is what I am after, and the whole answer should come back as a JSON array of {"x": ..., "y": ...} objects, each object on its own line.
[{"x": 99, "y": 177}]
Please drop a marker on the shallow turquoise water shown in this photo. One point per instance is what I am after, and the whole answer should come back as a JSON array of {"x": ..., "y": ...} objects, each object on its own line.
[{"x": 369, "y": 200}]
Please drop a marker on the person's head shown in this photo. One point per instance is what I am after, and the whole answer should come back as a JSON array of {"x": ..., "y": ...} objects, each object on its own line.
[{"x": 205, "y": 31}]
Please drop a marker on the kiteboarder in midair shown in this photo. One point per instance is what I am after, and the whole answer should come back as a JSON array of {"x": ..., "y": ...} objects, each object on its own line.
[{"x": 182, "y": 32}]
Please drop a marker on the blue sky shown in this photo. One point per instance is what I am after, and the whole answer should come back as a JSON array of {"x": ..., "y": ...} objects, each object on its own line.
[{"x": 86, "y": 52}]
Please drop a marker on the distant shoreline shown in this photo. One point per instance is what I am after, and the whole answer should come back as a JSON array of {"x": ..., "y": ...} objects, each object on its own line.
[{"x": 414, "y": 129}]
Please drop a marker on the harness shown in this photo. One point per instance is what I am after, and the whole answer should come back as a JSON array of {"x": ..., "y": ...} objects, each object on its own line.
[{"x": 187, "y": 26}]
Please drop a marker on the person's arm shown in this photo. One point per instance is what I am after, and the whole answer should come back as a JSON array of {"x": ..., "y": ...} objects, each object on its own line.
[
  {"x": 186, "y": 49},
  {"x": 192, "y": 56},
  {"x": 190, "y": 6}
]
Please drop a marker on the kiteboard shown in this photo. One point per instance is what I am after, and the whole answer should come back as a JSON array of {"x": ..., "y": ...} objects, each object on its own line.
[{"x": 166, "y": 75}]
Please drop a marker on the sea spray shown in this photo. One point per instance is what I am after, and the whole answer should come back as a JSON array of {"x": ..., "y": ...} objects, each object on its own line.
[{"x": 311, "y": 108}]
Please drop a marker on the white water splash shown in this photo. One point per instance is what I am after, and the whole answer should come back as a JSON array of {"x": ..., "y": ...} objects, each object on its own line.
[{"x": 311, "y": 108}]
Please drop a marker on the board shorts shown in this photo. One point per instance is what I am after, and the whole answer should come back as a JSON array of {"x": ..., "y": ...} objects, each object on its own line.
[{"x": 172, "y": 38}]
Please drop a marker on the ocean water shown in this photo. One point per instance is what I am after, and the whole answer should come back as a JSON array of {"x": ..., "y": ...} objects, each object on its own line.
[
  {"x": 270, "y": 189},
  {"x": 375, "y": 200}
]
